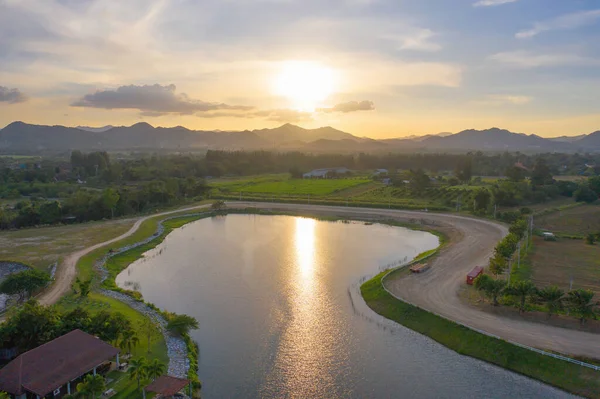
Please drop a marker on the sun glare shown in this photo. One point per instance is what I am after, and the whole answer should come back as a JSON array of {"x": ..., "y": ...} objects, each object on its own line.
[{"x": 307, "y": 84}]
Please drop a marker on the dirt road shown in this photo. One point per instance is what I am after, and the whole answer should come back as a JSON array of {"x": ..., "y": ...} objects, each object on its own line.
[
  {"x": 67, "y": 268},
  {"x": 436, "y": 290}
]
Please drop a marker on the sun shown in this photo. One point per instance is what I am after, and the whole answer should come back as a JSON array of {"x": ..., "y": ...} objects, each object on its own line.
[{"x": 307, "y": 84}]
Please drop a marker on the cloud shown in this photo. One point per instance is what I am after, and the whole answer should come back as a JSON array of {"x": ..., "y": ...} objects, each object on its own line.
[
  {"x": 283, "y": 115},
  {"x": 418, "y": 40},
  {"x": 564, "y": 22},
  {"x": 509, "y": 99},
  {"x": 152, "y": 100},
  {"x": 350, "y": 106},
  {"x": 488, "y": 3},
  {"x": 527, "y": 59},
  {"x": 11, "y": 96}
]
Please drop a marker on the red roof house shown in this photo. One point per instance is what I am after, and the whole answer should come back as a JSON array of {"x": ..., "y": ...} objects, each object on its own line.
[{"x": 49, "y": 367}]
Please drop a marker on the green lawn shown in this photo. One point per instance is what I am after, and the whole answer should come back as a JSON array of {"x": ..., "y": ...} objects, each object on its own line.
[{"x": 570, "y": 377}]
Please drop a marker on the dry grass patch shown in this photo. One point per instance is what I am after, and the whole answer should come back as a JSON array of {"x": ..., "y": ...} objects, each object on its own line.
[
  {"x": 41, "y": 247},
  {"x": 580, "y": 220}
]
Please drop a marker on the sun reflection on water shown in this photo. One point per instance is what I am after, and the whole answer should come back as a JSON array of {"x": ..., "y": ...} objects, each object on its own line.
[{"x": 305, "y": 247}]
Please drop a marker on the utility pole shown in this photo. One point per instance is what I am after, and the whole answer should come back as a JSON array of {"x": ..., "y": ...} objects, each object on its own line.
[
  {"x": 346, "y": 202},
  {"x": 308, "y": 199},
  {"x": 509, "y": 272},
  {"x": 240, "y": 195},
  {"x": 519, "y": 255},
  {"x": 495, "y": 209}
]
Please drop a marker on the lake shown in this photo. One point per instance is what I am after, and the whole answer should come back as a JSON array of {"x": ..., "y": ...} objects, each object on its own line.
[{"x": 281, "y": 314}]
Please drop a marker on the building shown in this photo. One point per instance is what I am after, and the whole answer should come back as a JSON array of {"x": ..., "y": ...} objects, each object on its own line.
[
  {"x": 378, "y": 172},
  {"x": 54, "y": 369},
  {"x": 167, "y": 386},
  {"x": 323, "y": 173}
]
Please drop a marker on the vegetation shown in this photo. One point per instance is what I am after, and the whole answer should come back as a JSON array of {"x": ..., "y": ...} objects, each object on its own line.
[
  {"x": 24, "y": 283},
  {"x": 181, "y": 324},
  {"x": 580, "y": 302},
  {"x": 553, "y": 297},
  {"x": 571, "y": 377},
  {"x": 91, "y": 386}
]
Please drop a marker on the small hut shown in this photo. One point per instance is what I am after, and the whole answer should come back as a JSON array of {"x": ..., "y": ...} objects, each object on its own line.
[{"x": 167, "y": 386}]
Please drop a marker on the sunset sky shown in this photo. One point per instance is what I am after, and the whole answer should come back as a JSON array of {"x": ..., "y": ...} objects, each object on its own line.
[{"x": 378, "y": 68}]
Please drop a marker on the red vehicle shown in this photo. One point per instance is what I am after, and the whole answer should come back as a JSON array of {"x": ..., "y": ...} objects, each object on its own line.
[{"x": 473, "y": 274}]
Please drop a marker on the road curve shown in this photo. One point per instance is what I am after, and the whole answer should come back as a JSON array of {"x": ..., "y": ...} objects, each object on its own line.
[
  {"x": 67, "y": 268},
  {"x": 436, "y": 290}
]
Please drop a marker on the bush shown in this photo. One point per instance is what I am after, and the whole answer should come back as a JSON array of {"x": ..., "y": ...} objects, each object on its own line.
[{"x": 181, "y": 324}]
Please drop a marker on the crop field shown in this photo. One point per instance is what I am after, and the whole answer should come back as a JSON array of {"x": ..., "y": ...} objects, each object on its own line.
[
  {"x": 317, "y": 187},
  {"x": 560, "y": 262},
  {"x": 41, "y": 247},
  {"x": 575, "y": 221}
]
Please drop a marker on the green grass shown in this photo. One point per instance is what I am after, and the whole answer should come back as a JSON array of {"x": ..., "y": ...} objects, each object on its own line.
[
  {"x": 570, "y": 377},
  {"x": 97, "y": 302},
  {"x": 317, "y": 187}
]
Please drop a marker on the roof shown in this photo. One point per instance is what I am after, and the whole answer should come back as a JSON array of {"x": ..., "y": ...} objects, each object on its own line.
[
  {"x": 53, "y": 364},
  {"x": 167, "y": 385},
  {"x": 475, "y": 272}
]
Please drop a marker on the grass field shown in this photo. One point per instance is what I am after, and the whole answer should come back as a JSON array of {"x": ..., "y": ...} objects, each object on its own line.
[
  {"x": 316, "y": 187},
  {"x": 41, "y": 247},
  {"x": 578, "y": 221},
  {"x": 557, "y": 262},
  {"x": 577, "y": 379}
]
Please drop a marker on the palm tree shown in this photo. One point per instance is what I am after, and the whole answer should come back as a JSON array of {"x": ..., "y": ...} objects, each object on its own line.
[
  {"x": 522, "y": 289},
  {"x": 494, "y": 288},
  {"x": 129, "y": 340},
  {"x": 155, "y": 369},
  {"x": 138, "y": 369},
  {"x": 580, "y": 301},
  {"x": 91, "y": 385},
  {"x": 553, "y": 297}
]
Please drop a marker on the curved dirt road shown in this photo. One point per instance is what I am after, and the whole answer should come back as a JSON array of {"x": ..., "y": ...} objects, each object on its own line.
[
  {"x": 67, "y": 268},
  {"x": 436, "y": 290}
]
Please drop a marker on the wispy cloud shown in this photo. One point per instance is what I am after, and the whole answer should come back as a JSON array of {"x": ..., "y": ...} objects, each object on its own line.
[
  {"x": 509, "y": 99},
  {"x": 419, "y": 40},
  {"x": 564, "y": 22},
  {"x": 151, "y": 100},
  {"x": 527, "y": 59},
  {"x": 489, "y": 3},
  {"x": 11, "y": 96},
  {"x": 350, "y": 106}
]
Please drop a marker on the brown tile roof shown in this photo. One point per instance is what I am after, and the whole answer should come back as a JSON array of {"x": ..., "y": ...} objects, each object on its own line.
[
  {"x": 167, "y": 385},
  {"x": 53, "y": 364}
]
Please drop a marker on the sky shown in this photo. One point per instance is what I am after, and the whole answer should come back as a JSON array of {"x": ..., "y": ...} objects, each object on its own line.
[{"x": 377, "y": 68}]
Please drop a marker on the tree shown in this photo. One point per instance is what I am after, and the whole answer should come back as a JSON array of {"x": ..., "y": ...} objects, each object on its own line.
[
  {"x": 129, "y": 340},
  {"x": 464, "y": 170},
  {"x": 523, "y": 290},
  {"x": 585, "y": 194},
  {"x": 493, "y": 289},
  {"x": 31, "y": 326},
  {"x": 482, "y": 200},
  {"x": 541, "y": 174},
  {"x": 218, "y": 205},
  {"x": 155, "y": 369},
  {"x": 110, "y": 198},
  {"x": 553, "y": 297},
  {"x": 50, "y": 212},
  {"x": 84, "y": 286},
  {"x": 181, "y": 324},
  {"x": 518, "y": 228},
  {"x": 580, "y": 302},
  {"x": 515, "y": 174},
  {"x": 138, "y": 369},
  {"x": 78, "y": 318},
  {"x": 498, "y": 265},
  {"x": 92, "y": 385},
  {"x": 4, "y": 395},
  {"x": 24, "y": 283},
  {"x": 590, "y": 239},
  {"x": 481, "y": 283},
  {"x": 295, "y": 172}
]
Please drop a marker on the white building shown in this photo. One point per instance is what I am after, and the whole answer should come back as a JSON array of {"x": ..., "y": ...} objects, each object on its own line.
[{"x": 322, "y": 173}]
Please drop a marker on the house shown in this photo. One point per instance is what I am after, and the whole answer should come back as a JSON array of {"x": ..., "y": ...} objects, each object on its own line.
[
  {"x": 378, "y": 172},
  {"x": 54, "y": 368},
  {"x": 167, "y": 386},
  {"x": 323, "y": 173}
]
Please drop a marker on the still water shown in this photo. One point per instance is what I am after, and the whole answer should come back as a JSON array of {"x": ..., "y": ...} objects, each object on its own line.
[{"x": 281, "y": 315}]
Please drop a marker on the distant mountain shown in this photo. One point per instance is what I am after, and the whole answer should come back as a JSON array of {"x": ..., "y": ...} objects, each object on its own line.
[
  {"x": 19, "y": 137},
  {"x": 95, "y": 129}
]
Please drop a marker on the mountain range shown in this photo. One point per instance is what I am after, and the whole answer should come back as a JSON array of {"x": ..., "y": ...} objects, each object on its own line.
[{"x": 20, "y": 137}]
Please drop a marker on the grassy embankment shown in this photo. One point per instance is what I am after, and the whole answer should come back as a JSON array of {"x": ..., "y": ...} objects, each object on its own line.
[{"x": 568, "y": 376}]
